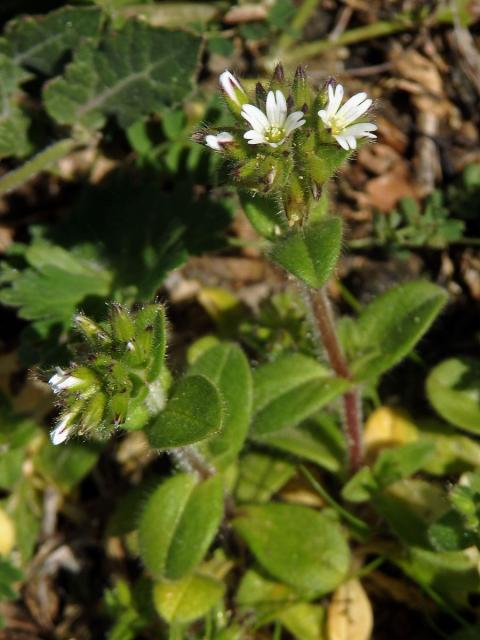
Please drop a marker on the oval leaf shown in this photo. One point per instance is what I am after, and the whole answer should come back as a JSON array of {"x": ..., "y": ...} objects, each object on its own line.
[
  {"x": 263, "y": 214},
  {"x": 311, "y": 253},
  {"x": 188, "y": 599},
  {"x": 193, "y": 413},
  {"x": 289, "y": 390},
  {"x": 226, "y": 366},
  {"x": 302, "y": 547},
  {"x": 389, "y": 328},
  {"x": 178, "y": 524},
  {"x": 453, "y": 388}
]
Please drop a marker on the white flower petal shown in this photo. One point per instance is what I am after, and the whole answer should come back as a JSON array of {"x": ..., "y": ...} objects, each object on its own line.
[
  {"x": 271, "y": 108},
  {"x": 254, "y": 137},
  {"x": 256, "y": 118},
  {"x": 230, "y": 84},
  {"x": 335, "y": 97},
  {"x": 342, "y": 141},
  {"x": 61, "y": 431},
  {"x": 294, "y": 121},
  {"x": 360, "y": 130},
  {"x": 282, "y": 108},
  {"x": 354, "y": 108}
]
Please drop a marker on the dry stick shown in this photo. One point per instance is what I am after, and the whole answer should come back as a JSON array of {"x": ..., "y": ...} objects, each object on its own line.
[{"x": 323, "y": 315}]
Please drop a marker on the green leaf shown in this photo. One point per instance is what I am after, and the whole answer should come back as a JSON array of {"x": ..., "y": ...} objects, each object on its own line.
[
  {"x": 14, "y": 122},
  {"x": 67, "y": 465},
  {"x": 454, "y": 453},
  {"x": 53, "y": 285},
  {"x": 187, "y": 599},
  {"x": 134, "y": 72},
  {"x": 290, "y": 389},
  {"x": 401, "y": 462},
  {"x": 260, "y": 476},
  {"x": 40, "y": 42},
  {"x": 297, "y": 545},
  {"x": 311, "y": 253},
  {"x": 263, "y": 214},
  {"x": 193, "y": 413},
  {"x": 226, "y": 366},
  {"x": 179, "y": 523},
  {"x": 453, "y": 388},
  {"x": 9, "y": 574},
  {"x": 318, "y": 439},
  {"x": 389, "y": 327},
  {"x": 276, "y": 601}
]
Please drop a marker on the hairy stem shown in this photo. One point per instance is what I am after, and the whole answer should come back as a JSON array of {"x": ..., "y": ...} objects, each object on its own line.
[
  {"x": 38, "y": 163},
  {"x": 325, "y": 323}
]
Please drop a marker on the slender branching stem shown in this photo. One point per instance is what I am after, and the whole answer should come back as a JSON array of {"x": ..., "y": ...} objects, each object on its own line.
[
  {"x": 325, "y": 323},
  {"x": 42, "y": 161}
]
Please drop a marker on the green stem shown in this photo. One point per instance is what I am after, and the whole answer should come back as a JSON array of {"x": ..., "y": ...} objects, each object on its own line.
[
  {"x": 303, "y": 52},
  {"x": 38, "y": 163}
]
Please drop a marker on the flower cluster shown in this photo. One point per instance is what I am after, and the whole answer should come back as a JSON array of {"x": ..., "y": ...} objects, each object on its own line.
[
  {"x": 289, "y": 140},
  {"x": 120, "y": 379}
]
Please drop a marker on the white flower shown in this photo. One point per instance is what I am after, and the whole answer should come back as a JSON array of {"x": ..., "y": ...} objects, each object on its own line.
[
  {"x": 342, "y": 121},
  {"x": 62, "y": 430},
  {"x": 218, "y": 141},
  {"x": 61, "y": 381},
  {"x": 232, "y": 88},
  {"x": 274, "y": 127}
]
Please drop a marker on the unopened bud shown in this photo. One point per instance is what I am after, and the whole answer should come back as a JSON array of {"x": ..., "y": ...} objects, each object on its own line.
[
  {"x": 219, "y": 141},
  {"x": 122, "y": 324},
  {"x": 93, "y": 413},
  {"x": 300, "y": 90},
  {"x": 62, "y": 429},
  {"x": 233, "y": 91},
  {"x": 89, "y": 328},
  {"x": 278, "y": 78},
  {"x": 119, "y": 408}
]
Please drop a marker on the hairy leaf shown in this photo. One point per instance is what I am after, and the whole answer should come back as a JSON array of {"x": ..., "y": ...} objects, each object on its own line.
[
  {"x": 311, "y": 253},
  {"x": 178, "y": 524},
  {"x": 193, "y": 413},
  {"x": 40, "y": 42},
  {"x": 14, "y": 122},
  {"x": 300, "y": 546},
  {"x": 453, "y": 388},
  {"x": 132, "y": 73},
  {"x": 290, "y": 389},
  {"x": 389, "y": 327},
  {"x": 227, "y": 367},
  {"x": 188, "y": 599}
]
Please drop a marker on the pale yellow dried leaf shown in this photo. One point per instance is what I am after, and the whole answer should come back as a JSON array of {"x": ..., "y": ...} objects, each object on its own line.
[
  {"x": 387, "y": 427},
  {"x": 350, "y": 615}
]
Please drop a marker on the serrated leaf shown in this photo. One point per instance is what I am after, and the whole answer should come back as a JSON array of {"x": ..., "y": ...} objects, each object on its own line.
[
  {"x": 132, "y": 73},
  {"x": 187, "y": 599},
  {"x": 179, "y": 523},
  {"x": 193, "y": 413},
  {"x": 290, "y": 389},
  {"x": 54, "y": 284},
  {"x": 311, "y": 253},
  {"x": 389, "y": 327},
  {"x": 40, "y": 42},
  {"x": 453, "y": 388},
  {"x": 14, "y": 122},
  {"x": 297, "y": 545},
  {"x": 226, "y": 366}
]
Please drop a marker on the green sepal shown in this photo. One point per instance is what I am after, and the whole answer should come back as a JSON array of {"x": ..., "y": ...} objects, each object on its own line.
[{"x": 264, "y": 214}]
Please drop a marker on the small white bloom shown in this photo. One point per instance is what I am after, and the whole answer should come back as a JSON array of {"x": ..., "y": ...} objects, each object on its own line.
[
  {"x": 218, "y": 141},
  {"x": 62, "y": 430},
  {"x": 342, "y": 121},
  {"x": 232, "y": 87},
  {"x": 61, "y": 381},
  {"x": 274, "y": 127}
]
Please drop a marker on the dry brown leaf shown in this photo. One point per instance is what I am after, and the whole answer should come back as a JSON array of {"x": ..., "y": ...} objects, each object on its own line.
[
  {"x": 299, "y": 491},
  {"x": 386, "y": 190},
  {"x": 350, "y": 615}
]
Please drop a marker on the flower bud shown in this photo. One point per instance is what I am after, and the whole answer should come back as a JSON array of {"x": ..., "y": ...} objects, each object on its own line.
[
  {"x": 233, "y": 91},
  {"x": 300, "y": 90},
  {"x": 93, "y": 413},
  {"x": 219, "y": 141},
  {"x": 89, "y": 328},
  {"x": 122, "y": 324},
  {"x": 278, "y": 78},
  {"x": 119, "y": 408},
  {"x": 63, "y": 429}
]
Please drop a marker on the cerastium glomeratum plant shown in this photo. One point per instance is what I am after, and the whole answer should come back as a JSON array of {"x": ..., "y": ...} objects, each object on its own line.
[{"x": 285, "y": 144}]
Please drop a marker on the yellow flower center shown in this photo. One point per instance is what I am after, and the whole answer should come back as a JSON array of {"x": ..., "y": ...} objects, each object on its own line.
[{"x": 274, "y": 134}]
